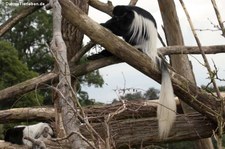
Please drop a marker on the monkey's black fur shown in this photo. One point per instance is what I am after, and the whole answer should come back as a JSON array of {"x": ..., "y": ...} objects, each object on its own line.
[
  {"x": 120, "y": 24},
  {"x": 138, "y": 28}
]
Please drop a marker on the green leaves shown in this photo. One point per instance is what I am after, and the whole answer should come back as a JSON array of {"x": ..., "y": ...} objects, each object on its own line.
[{"x": 12, "y": 70}]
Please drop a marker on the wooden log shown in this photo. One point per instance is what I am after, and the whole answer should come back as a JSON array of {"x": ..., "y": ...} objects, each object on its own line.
[
  {"x": 49, "y": 144},
  {"x": 7, "y": 145},
  {"x": 136, "y": 131},
  {"x": 135, "y": 123},
  {"x": 95, "y": 114},
  {"x": 26, "y": 114},
  {"x": 26, "y": 86}
]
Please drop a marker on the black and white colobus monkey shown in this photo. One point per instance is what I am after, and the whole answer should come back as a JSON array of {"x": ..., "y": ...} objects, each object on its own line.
[
  {"x": 138, "y": 27},
  {"x": 39, "y": 131}
]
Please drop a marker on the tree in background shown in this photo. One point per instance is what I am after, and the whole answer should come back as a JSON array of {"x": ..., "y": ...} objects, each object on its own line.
[
  {"x": 31, "y": 38},
  {"x": 13, "y": 71},
  {"x": 150, "y": 94}
]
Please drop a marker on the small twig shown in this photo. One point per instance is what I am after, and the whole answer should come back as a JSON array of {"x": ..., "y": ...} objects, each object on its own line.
[
  {"x": 214, "y": 25},
  {"x": 220, "y": 119},
  {"x": 81, "y": 52},
  {"x": 216, "y": 72},
  {"x": 212, "y": 30},
  {"x": 85, "y": 120},
  {"x": 200, "y": 48},
  {"x": 108, "y": 118},
  {"x": 198, "y": 60},
  {"x": 218, "y": 17},
  {"x": 161, "y": 40},
  {"x": 72, "y": 133},
  {"x": 107, "y": 145},
  {"x": 164, "y": 31},
  {"x": 118, "y": 111},
  {"x": 124, "y": 82}
]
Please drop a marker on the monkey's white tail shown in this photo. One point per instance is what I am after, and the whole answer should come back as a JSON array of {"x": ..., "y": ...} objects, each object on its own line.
[{"x": 166, "y": 111}]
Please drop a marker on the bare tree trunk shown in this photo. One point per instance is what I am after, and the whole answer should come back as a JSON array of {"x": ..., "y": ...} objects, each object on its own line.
[
  {"x": 179, "y": 62},
  {"x": 71, "y": 34},
  {"x": 65, "y": 102},
  {"x": 73, "y": 39}
]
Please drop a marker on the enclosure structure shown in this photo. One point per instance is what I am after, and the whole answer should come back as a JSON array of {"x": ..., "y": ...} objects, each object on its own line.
[{"x": 126, "y": 124}]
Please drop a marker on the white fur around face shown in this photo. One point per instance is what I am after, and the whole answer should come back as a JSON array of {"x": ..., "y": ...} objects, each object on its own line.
[
  {"x": 142, "y": 25},
  {"x": 166, "y": 111},
  {"x": 33, "y": 130}
]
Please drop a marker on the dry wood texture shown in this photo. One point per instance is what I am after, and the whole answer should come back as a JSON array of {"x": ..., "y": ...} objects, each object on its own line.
[
  {"x": 49, "y": 144},
  {"x": 135, "y": 124},
  {"x": 191, "y": 50},
  {"x": 65, "y": 103}
]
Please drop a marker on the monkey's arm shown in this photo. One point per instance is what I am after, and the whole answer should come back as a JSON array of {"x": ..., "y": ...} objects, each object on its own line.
[{"x": 102, "y": 54}]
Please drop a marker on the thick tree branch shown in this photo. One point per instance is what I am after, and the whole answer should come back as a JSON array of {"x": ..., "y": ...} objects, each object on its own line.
[
  {"x": 107, "y": 8},
  {"x": 49, "y": 144},
  {"x": 170, "y": 50},
  {"x": 26, "y": 114},
  {"x": 219, "y": 18},
  {"x": 183, "y": 88},
  {"x": 81, "y": 52},
  {"x": 47, "y": 79},
  {"x": 135, "y": 109},
  {"x": 27, "y": 86}
]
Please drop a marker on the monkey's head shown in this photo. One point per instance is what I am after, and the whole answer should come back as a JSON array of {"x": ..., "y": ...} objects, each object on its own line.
[{"x": 121, "y": 20}]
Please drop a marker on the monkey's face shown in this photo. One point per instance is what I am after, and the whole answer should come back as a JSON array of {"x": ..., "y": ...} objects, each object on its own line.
[{"x": 119, "y": 24}]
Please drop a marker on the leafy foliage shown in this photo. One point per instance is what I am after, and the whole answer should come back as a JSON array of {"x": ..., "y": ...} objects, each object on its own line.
[
  {"x": 30, "y": 38},
  {"x": 13, "y": 71},
  {"x": 93, "y": 78},
  {"x": 150, "y": 94},
  {"x": 211, "y": 89},
  {"x": 133, "y": 96}
]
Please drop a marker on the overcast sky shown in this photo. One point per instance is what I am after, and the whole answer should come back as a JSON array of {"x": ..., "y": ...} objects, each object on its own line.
[{"x": 122, "y": 76}]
